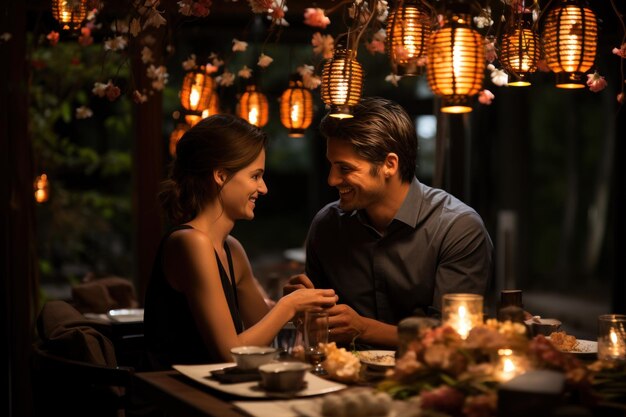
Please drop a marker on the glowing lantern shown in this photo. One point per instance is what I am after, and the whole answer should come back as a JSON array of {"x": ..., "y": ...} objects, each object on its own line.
[
  {"x": 570, "y": 38},
  {"x": 342, "y": 81},
  {"x": 253, "y": 106},
  {"x": 193, "y": 118},
  {"x": 408, "y": 29},
  {"x": 296, "y": 107},
  {"x": 42, "y": 188},
  {"x": 197, "y": 90},
  {"x": 519, "y": 52},
  {"x": 69, "y": 13},
  {"x": 176, "y": 135}
]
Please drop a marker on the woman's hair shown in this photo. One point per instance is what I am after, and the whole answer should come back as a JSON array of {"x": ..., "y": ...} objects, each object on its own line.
[
  {"x": 222, "y": 142},
  {"x": 379, "y": 126}
]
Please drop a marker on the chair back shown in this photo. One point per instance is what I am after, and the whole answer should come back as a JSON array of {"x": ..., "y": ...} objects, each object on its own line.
[{"x": 74, "y": 367}]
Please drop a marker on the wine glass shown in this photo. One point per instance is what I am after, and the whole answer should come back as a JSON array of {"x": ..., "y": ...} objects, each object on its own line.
[{"x": 315, "y": 336}]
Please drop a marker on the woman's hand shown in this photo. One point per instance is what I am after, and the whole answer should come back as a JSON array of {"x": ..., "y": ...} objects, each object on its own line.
[{"x": 309, "y": 299}]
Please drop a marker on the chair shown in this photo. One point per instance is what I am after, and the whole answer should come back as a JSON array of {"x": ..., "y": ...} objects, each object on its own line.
[{"x": 74, "y": 367}]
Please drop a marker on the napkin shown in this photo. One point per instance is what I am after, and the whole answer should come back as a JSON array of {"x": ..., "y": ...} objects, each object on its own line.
[{"x": 234, "y": 375}]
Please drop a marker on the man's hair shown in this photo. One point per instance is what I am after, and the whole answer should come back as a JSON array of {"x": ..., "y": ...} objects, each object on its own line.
[{"x": 379, "y": 126}]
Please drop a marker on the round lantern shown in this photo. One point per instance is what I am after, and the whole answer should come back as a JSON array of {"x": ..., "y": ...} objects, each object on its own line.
[
  {"x": 342, "y": 81},
  {"x": 296, "y": 107},
  {"x": 570, "y": 35},
  {"x": 408, "y": 30},
  {"x": 456, "y": 62},
  {"x": 214, "y": 108},
  {"x": 69, "y": 13},
  {"x": 197, "y": 90},
  {"x": 519, "y": 53},
  {"x": 253, "y": 106},
  {"x": 42, "y": 188}
]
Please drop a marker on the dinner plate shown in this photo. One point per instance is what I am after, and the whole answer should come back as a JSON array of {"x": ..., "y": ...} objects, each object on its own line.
[
  {"x": 202, "y": 374},
  {"x": 378, "y": 358},
  {"x": 584, "y": 347},
  {"x": 399, "y": 408},
  {"x": 125, "y": 315}
]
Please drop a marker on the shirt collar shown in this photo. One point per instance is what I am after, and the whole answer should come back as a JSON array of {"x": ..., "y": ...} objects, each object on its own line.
[{"x": 410, "y": 208}]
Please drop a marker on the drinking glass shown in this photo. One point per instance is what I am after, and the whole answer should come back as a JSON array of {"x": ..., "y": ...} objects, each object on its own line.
[
  {"x": 612, "y": 338},
  {"x": 315, "y": 336}
]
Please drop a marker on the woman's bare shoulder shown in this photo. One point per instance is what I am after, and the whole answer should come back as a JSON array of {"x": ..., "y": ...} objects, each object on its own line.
[{"x": 188, "y": 241}]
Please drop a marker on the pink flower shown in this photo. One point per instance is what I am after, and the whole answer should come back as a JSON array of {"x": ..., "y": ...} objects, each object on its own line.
[
  {"x": 85, "y": 38},
  {"x": 484, "y": 405},
  {"x": 443, "y": 398},
  {"x": 200, "y": 10},
  {"x": 407, "y": 366},
  {"x": 620, "y": 98},
  {"x": 490, "y": 51},
  {"x": 485, "y": 97},
  {"x": 621, "y": 52},
  {"x": 53, "y": 38},
  {"x": 596, "y": 82},
  {"x": 323, "y": 45},
  {"x": 112, "y": 92},
  {"x": 375, "y": 46},
  {"x": 315, "y": 17}
]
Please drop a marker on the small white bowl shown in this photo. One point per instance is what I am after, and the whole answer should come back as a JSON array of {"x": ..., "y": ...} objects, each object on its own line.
[
  {"x": 283, "y": 376},
  {"x": 251, "y": 357}
]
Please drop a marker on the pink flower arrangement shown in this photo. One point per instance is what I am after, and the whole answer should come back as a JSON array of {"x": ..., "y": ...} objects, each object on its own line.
[
  {"x": 621, "y": 51},
  {"x": 459, "y": 377},
  {"x": 485, "y": 97},
  {"x": 53, "y": 38}
]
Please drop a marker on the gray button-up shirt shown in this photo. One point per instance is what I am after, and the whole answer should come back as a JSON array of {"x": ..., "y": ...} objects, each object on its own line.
[{"x": 434, "y": 245}]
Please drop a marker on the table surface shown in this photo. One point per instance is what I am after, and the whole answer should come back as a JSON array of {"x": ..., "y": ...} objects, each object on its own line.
[{"x": 183, "y": 397}]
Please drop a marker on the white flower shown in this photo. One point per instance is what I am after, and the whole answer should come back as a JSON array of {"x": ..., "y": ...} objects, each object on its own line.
[
  {"x": 146, "y": 55},
  {"x": 185, "y": 7},
  {"x": 214, "y": 59},
  {"x": 83, "y": 112},
  {"x": 158, "y": 75},
  {"x": 5, "y": 37},
  {"x": 499, "y": 77},
  {"x": 226, "y": 79},
  {"x": 239, "y": 46},
  {"x": 305, "y": 70},
  {"x": 190, "y": 63},
  {"x": 116, "y": 44},
  {"x": 393, "y": 79},
  {"x": 311, "y": 81},
  {"x": 264, "y": 60},
  {"x": 382, "y": 9},
  {"x": 484, "y": 20},
  {"x": 380, "y": 36},
  {"x": 245, "y": 72},
  {"x": 99, "y": 89}
]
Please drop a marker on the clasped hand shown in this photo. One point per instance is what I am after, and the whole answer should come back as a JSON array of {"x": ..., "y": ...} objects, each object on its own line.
[{"x": 344, "y": 323}]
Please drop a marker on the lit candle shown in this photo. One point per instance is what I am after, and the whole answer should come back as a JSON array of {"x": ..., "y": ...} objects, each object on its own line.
[
  {"x": 462, "y": 312},
  {"x": 612, "y": 337},
  {"x": 509, "y": 365}
]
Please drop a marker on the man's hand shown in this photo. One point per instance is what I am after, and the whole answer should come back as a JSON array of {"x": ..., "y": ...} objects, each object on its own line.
[
  {"x": 344, "y": 324},
  {"x": 297, "y": 282}
]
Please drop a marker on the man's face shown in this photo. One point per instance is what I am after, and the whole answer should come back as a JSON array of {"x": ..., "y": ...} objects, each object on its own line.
[{"x": 360, "y": 184}]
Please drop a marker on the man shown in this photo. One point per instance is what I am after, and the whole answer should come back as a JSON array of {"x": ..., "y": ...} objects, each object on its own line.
[{"x": 391, "y": 246}]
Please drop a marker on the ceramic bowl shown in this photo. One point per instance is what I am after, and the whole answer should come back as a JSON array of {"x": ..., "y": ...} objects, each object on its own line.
[
  {"x": 251, "y": 357},
  {"x": 283, "y": 376},
  {"x": 543, "y": 326}
]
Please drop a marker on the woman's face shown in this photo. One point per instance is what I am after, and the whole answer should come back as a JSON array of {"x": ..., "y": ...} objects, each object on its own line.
[{"x": 240, "y": 193}]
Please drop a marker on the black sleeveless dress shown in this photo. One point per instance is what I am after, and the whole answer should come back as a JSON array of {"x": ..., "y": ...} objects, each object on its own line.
[{"x": 170, "y": 332}]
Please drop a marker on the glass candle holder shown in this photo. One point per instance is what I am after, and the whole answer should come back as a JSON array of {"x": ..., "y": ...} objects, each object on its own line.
[
  {"x": 612, "y": 337},
  {"x": 462, "y": 312},
  {"x": 509, "y": 364}
]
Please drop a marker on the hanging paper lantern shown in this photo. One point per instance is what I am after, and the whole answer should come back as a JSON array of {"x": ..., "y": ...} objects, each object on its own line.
[
  {"x": 193, "y": 118},
  {"x": 519, "y": 52},
  {"x": 296, "y": 107},
  {"x": 197, "y": 90},
  {"x": 570, "y": 37},
  {"x": 342, "y": 81},
  {"x": 69, "y": 13},
  {"x": 408, "y": 30},
  {"x": 253, "y": 106},
  {"x": 456, "y": 61},
  {"x": 42, "y": 188}
]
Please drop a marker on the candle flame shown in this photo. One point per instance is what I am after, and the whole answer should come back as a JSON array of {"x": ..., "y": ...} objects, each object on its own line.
[
  {"x": 253, "y": 116},
  {"x": 613, "y": 337},
  {"x": 194, "y": 96}
]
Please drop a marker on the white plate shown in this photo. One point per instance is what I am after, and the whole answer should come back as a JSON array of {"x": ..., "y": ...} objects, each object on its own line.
[
  {"x": 378, "y": 358},
  {"x": 584, "y": 347},
  {"x": 201, "y": 373},
  {"x": 125, "y": 315},
  {"x": 403, "y": 408}
]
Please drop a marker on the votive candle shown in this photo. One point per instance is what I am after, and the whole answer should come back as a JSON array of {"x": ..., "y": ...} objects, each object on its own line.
[
  {"x": 509, "y": 365},
  {"x": 612, "y": 337},
  {"x": 462, "y": 312}
]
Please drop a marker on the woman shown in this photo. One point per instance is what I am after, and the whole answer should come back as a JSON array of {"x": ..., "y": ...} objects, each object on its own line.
[{"x": 202, "y": 299}]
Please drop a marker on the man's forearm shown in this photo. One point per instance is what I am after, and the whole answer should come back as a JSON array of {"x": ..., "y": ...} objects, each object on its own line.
[{"x": 379, "y": 333}]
